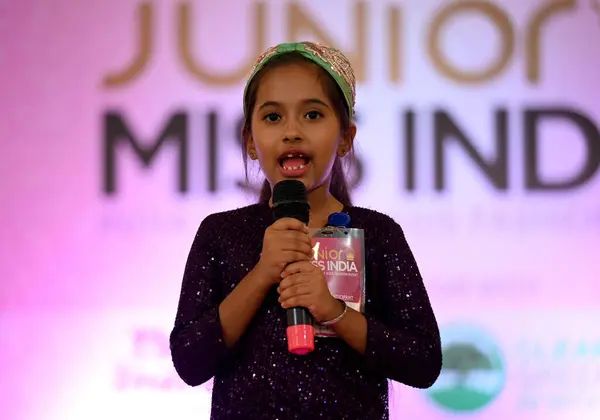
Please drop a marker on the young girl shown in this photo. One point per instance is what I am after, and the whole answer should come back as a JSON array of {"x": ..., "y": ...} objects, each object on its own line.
[{"x": 243, "y": 270}]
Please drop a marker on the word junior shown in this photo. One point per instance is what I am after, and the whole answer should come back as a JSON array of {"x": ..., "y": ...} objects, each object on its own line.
[{"x": 334, "y": 260}]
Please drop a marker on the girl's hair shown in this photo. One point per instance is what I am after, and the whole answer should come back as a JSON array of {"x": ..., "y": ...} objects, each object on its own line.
[{"x": 339, "y": 186}]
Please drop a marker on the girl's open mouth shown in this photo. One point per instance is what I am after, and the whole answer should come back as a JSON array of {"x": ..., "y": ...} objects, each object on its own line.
[{"x": 294, "y": 163}]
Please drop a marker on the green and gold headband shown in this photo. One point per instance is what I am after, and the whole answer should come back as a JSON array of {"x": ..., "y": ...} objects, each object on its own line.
[{"x": 330, "y": 59}]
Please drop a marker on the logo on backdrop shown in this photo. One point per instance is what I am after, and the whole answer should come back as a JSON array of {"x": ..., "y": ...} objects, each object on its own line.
[
  {"x": 473, "y": 372},
  {"x": 447, "y": 133},
  {"x": 560, "y": 371},
  {"x": 297, "y": 22},
  {"x": 556, "y": 369},
  {"x": 436, "y": 147}
]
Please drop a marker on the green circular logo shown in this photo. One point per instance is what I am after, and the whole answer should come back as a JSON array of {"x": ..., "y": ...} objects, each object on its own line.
[{"x": 473, "y": 372}]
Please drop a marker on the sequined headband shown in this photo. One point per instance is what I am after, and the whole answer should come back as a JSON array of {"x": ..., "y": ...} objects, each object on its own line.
[{"x": 328, "y": 58}]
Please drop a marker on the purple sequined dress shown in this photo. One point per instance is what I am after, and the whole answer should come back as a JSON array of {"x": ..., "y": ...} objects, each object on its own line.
[{"x": 258, "y": 378}]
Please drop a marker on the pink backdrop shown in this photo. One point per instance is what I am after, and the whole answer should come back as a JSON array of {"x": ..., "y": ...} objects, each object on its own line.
[{"x": 90, "y": 280}]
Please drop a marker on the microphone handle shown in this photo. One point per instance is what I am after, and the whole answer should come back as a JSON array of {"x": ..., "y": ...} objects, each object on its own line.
[
  {"x": 299, "y": 316},
  {"x": 300, "y": 331}
]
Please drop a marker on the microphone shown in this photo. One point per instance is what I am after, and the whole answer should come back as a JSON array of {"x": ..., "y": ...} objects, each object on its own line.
[{"x": 290, "y": 200}]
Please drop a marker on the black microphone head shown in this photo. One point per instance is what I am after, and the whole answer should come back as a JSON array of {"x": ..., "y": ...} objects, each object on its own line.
[{"x": 290, "y": 200}]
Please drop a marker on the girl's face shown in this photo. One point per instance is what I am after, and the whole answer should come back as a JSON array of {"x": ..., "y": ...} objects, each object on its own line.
[{"x": 295, "y": 130}]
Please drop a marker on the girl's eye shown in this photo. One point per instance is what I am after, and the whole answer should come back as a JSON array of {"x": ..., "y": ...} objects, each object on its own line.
[
  {"x": 272, "y": 117},
  {"x": 313, "y": 115}
]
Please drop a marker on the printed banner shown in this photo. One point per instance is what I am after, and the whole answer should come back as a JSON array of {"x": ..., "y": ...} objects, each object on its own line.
[
  {"x": 340, "y": 254},
  {"x": 478, "y": 131}
]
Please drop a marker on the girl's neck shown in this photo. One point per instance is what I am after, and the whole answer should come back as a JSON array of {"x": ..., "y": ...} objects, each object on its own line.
[{"x": 322, "y": 204}]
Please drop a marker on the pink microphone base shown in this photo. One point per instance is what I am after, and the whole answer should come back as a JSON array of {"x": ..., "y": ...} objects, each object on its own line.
[{"x": 301, "y": 339}]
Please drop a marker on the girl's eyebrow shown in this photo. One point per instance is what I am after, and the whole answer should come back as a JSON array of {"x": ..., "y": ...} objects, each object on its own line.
[{"x": 305, "y": 101}]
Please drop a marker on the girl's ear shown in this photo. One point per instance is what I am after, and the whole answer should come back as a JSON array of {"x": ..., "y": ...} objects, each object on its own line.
[
  {"x": 347, "y": 141},
  {"x": 251, "y": 149}
]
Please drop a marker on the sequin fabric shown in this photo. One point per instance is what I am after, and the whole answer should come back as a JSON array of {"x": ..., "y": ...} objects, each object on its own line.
[
  {"x": 258, "y": 378},
  {"x": 338, "y": 63},
  {"x": 268, "y": 53}
]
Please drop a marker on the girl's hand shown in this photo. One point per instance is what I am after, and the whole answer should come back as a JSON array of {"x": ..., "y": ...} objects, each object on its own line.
[
  {"x": 304, "y": 284},
  {"x": 285, "y": 241}
]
